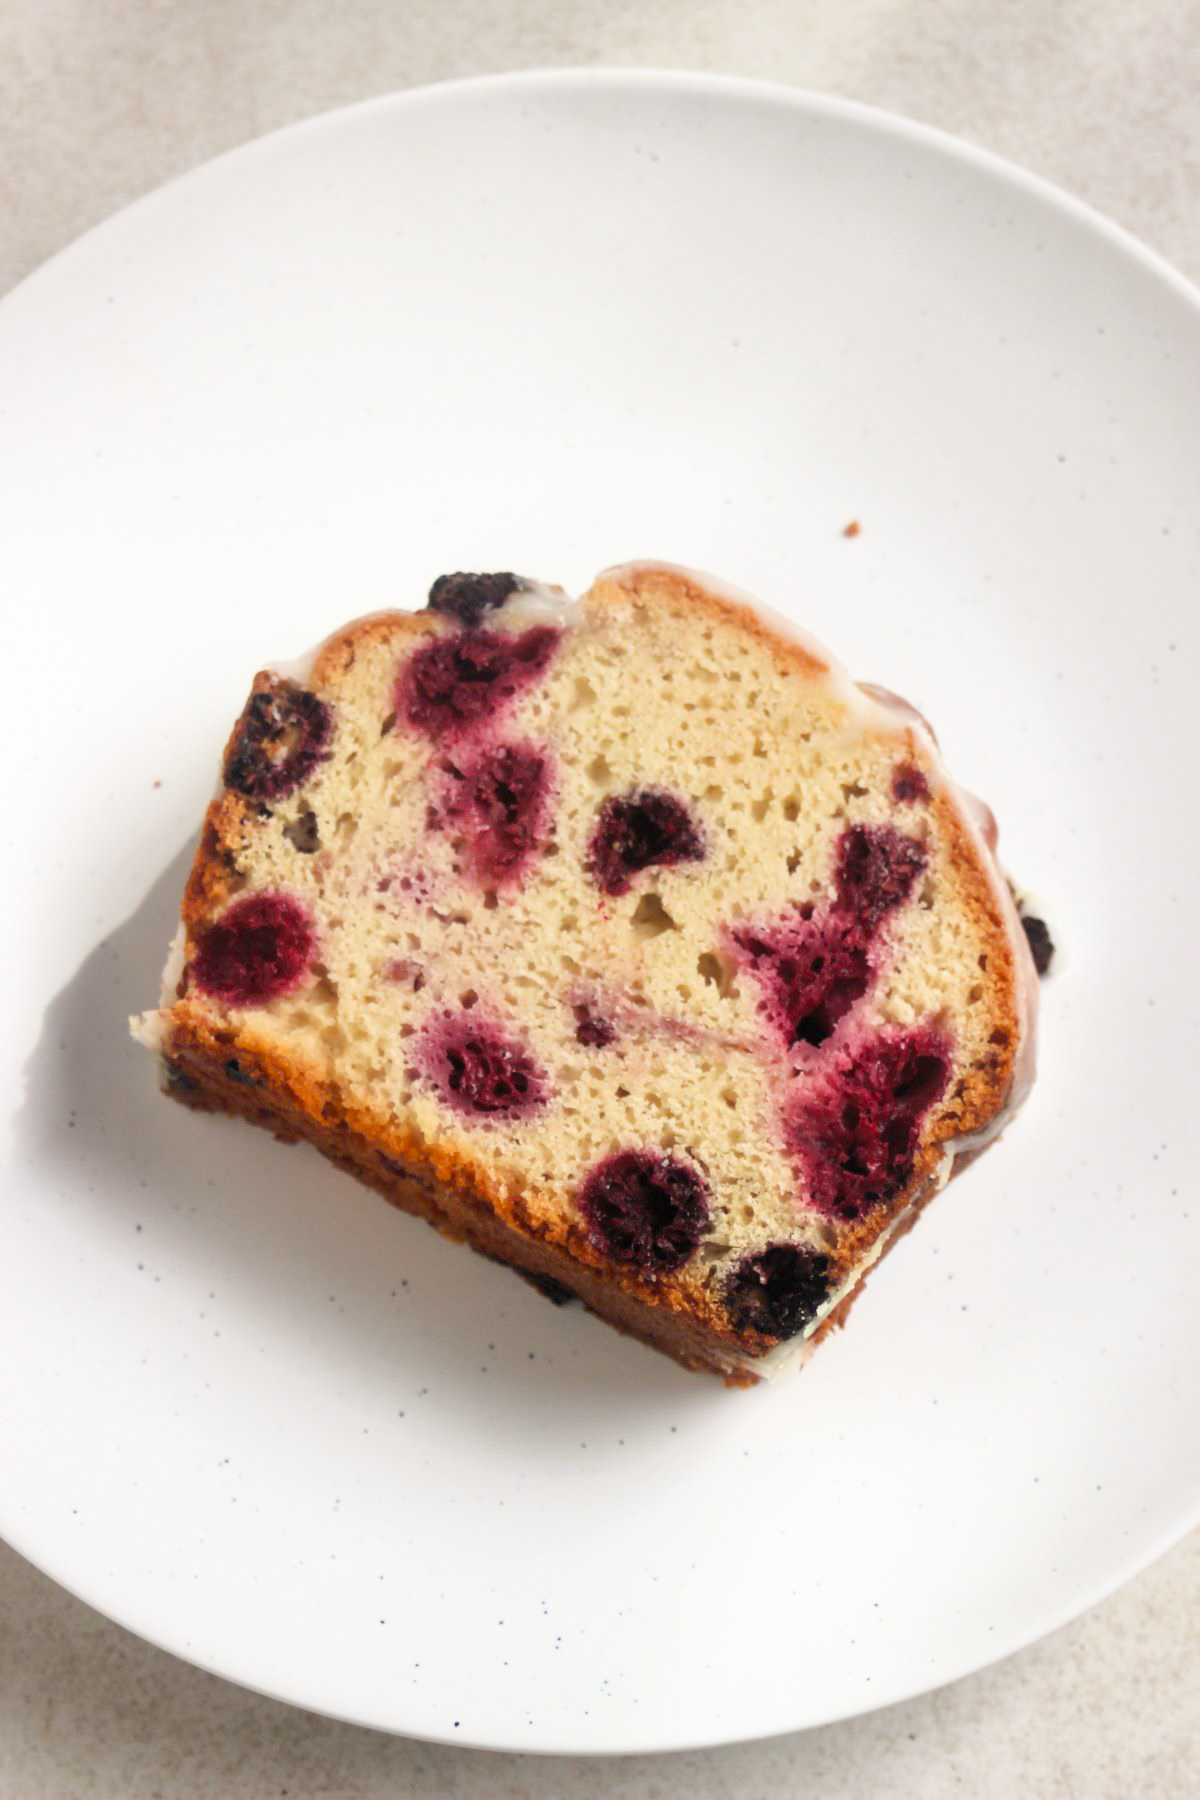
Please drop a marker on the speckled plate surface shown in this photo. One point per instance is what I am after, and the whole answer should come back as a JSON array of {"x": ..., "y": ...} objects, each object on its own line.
[{"x": 550, "y": 322}]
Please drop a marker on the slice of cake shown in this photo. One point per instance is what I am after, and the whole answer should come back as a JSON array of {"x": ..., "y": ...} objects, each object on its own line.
[{"x": 625, "y": 939}]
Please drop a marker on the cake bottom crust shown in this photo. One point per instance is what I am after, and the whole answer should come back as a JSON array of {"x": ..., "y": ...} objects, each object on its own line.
[
  {"x": 197, "y": 1084},
  {"x": 197, "y": 1080}
]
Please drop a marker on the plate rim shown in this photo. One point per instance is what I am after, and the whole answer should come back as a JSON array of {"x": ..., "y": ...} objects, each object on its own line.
[
  {"x": 749, "y": 87},
  {"x": 719, "y": 86}
]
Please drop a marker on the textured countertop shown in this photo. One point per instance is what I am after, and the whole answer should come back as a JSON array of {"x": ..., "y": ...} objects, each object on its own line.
[{"x": 102, "y": 100}]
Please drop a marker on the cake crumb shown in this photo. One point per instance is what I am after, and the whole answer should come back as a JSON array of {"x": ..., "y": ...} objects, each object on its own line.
[{"x": 852, "y": 530}]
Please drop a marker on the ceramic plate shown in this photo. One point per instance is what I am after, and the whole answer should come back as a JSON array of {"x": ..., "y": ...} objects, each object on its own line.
[{"x": 551, "y": 322}]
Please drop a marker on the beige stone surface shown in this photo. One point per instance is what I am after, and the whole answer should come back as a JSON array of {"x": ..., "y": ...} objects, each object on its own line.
[
  {"x": 1106, "y": 1709},
  {"x": 102, "y": 100}
]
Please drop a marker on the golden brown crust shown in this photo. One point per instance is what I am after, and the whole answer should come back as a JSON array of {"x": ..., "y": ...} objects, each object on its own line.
[
  {"x": 336, "y": 656},
  {"x": 681, "y": 592}
]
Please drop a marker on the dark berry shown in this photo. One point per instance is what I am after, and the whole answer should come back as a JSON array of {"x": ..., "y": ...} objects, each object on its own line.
[
  {"x": 592, "y": 1030},
  {"x": 453, "y": 683},
  {"x": 557, "y": 1292},
  {"x": 814, "y": 965},
  {"x": 645, "y": 1210},
  {"x": 501, "y": 800},
  {"x": 640, "y": 831},
  {"x": 260, "y": 948},
  {"x": 909, "y": 783},
  {"x": 855, "y": 1130},
  {"x": 481, "y": 1072},
  {"x": 778, "y": 1290},
  {"x": 876, "y": 868},
  {"x": 812, "y": 971},
  {"x": 468, "y": 597},
  {"x": 280, "y": 739},
  {"x": 1041, "y": 944}
]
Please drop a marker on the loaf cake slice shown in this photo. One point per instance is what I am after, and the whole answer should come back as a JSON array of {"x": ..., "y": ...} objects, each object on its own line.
[{"x": 625, "y": 939}]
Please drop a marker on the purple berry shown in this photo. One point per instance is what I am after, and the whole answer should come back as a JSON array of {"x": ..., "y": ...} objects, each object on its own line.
[
  {"x": 778, "y": 1290},
  {"x": 591, "y": 1029},
  {"x": 468, "y": 597},
  {"x": 501, "y": 799},
  {"x": 645, "y": 1210},
  {"x": 637, "y": 831},
  {"x": 855, "y": 1130},
  {"x": 876, "y": 868},
  {"x": 909, "y": 783},
  {"x": 280, "y": 739},
  {"x": 482, "y": 1072},
  {"x": 814, "y": 965},
  {"x": 260, "y": 948},
  {"x": 453, "y": 683},
  {"x": 812, "y": 971}
]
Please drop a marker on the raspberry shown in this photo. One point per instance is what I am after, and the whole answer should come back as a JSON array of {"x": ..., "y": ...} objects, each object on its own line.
[
  {"x": 501, "y": 798},
  {"x": 855, "y": 1131},
  {"x": 815, "y": 966},
  {"x": 639, "y": 831},
  {"x": 812, "y": 972},
  {"x": 280, "y": 739},
  {"x": 645, "y": 1210},
  {"x": 260, "y": 948},
  {"x": 483, "y": 1073},
  {"x": 467, "y": 597},
  {"x": 909, "y": 783},
  {"x": 453, "y": 683},
  {"x": 591, "y": 1029},
  {"x": 778, "y": 1290},
  {"x": 876, "y": 868}
]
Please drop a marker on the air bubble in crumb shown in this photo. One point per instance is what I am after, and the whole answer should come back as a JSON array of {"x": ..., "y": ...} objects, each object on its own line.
[
  {"x": 303, "y": 834},
  {"x": 651, "y": 917},
  {"x": 717, "y": 971}
]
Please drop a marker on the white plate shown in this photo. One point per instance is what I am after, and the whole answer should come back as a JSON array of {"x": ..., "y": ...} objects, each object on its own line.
[{"x": 546, "y": 323}]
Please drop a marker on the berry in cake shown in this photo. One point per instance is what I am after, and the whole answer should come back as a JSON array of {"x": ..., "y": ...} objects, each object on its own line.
[
  {"x": 281, "y": 738},
  {"x": 257, "y": 951},
  {"x": 645, "y": 1210},
  {"x": 481, "y": 1071},
  {"x": 643, "y": 830},
  {"x": 497, "y": 799},
  {"x": 468, "y": 597},
  {"x": 452, "y": 684},
  {"x": 777, "y": 1291}
]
